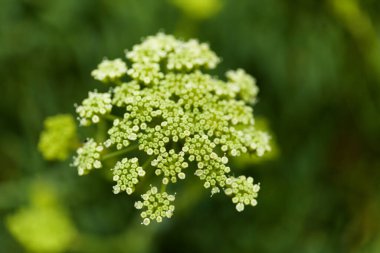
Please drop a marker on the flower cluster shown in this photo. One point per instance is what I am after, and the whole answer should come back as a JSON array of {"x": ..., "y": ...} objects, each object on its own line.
[
  {"x": 93, "y": 107},
  {"x": 243, "y": 190},
  {"x": 176, "y": 118},
  {"x": 126, "y": 173},
  {"x": 243, "y": 84},
  {"x": 88, "y": 157},
  {"x": 58, "y": 137},
  {"x": 170, "y": 164},
  {"x": 172, "y": 54},
  {"x": 157, "y": 205},
  {"x": 110, "y": 70}
]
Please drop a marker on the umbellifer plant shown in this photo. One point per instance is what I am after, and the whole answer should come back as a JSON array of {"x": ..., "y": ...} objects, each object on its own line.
[{"x": 164, "y": 117}]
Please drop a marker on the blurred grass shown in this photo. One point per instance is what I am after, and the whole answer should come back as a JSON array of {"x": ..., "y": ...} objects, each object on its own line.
[{"x": 318, "y": 68}]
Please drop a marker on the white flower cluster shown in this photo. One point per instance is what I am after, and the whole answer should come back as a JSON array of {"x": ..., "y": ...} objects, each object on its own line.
[
  {"x": 110, "y": 70},
  {"x": 157, "y": 205},
  {"x": 125, "y": 93},
  {"x": 93, "y": 107},
  {"x": 243, "y": 84},
  {"x": 88, "y": 157},
  {"x": 243, "y": 190},
  {"x": 126, "y": 173},
  {"x": 170, "y": 164},
  {"x": 181, "y": 119},
  {"x": 190, "y": 55},
  {"x": 179, "y": 55}
]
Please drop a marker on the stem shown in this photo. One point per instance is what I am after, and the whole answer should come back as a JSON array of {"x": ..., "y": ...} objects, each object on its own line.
[
  {"x": 111, "y": 117},
  {"x": 101, "y": 131},
  {"x": 147, "y": 162},
  {"x": 163, "y": 187},
  {"x": 119, "y": 152},
  {"x": 147, "y": 175}
]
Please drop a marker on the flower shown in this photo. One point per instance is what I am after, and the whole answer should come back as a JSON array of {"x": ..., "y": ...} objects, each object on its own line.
[
  {"x": 110, "y": 70},
  {"x": 58, "y": 137}
]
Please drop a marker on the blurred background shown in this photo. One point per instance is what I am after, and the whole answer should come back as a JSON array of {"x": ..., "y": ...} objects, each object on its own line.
[{"x": 317, "y": 63}]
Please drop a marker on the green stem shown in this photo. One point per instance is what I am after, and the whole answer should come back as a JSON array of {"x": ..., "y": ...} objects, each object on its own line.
[
  {"x": 101, "y": 131},
  {"x": 163, "y": 187},
  {"x": 111, "y": 117},
  {"x": 147, "y": 162},
  {"x": 119, "y": 152},
  {"x": 147, "y": 176}
]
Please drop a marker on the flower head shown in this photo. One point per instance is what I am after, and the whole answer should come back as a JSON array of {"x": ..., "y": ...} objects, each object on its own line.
[{"x": 179, "y": 119}]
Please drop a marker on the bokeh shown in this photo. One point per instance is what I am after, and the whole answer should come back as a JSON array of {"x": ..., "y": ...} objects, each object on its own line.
[{"x": 317, "y": 63}]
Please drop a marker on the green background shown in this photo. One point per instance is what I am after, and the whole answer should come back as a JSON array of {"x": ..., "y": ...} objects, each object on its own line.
[{"x": 317, "y": 63}]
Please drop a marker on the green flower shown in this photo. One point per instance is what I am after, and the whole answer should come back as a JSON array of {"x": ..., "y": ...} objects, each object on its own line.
[{"x": 58, "y": 137}]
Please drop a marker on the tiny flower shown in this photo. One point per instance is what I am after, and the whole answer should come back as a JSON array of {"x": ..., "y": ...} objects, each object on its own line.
[{"x": 110, "y": 70}]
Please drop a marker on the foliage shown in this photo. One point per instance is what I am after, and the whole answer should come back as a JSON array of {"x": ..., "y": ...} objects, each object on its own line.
[{"x": 43, "y": 226}]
